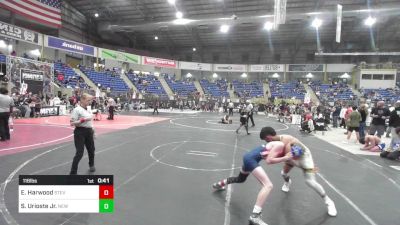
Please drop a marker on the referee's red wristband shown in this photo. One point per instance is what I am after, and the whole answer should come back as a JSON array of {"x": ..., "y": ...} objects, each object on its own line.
[{"x": 82, "y": 120}]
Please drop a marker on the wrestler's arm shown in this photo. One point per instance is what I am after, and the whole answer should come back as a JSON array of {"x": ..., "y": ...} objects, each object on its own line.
[{"x": 273, "y": 156}]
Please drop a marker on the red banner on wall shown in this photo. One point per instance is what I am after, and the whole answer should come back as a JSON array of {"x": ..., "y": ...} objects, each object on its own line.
[{"x": 159, "y": 62}]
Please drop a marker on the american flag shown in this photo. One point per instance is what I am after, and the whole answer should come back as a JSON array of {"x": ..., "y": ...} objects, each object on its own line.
[{"x": 47, "y": 12}]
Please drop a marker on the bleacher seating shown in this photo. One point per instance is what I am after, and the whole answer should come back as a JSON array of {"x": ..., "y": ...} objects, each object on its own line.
[
  {"x": 218, "y": 89},
  {"x": 332, "y": 92},
  {"x": 287, "y": 90},
  {"x": 2, "y": 59},
  {"x": 389, "y": 95},
  {"x": 181, "y": 88},
  {"x": 253, "y": 89},
  {"x": 70, "y": 78},
  {"x": 107, "y": 79},
  {"x": 148, "y": 84}
]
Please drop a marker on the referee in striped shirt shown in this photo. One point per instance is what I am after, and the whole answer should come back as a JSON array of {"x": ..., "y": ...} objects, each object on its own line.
[{"x": 81, "y": 118}]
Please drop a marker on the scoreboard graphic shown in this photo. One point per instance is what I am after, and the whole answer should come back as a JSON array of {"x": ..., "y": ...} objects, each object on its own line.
[{"x": 66, "y": 194}]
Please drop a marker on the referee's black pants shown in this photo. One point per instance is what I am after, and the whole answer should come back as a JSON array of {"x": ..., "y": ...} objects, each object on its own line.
[
  {"x": 155, "y": 110},
  {"x": 251, "y": 118},
  {"x": 111, "y": 112},
  {"x": 4, "y": 128},
  {"x": 83, "y": 137}
]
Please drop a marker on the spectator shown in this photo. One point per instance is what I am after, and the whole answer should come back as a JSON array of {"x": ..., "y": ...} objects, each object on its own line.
[
  {"x": 335, "y": 115},
  {"x": 342, "y": 117},
  {"x": 394, "y": 123},
  {"x": 393, "y": 152},
  {"x": 379, "y": 114},
  {"x": 353, "y": 124},
  {"x": 6, "y": 104},
  {"x": 364, "y": 113}
]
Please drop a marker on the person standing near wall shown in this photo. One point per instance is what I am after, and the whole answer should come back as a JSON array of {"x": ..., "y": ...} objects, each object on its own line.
[
  {"x": 379, "y": 114},
  {"x": 364, "y": 113},
  {"x": 111, "y": 105},
  {"x": 81, "y": 118},
  {"x": 230, "y": 107},
  {"x": 249, "y": 110},
  {"x": 156, "y": 105},
  {"x": 6, "y": 104},
  {"x": 394, "y": 123}
]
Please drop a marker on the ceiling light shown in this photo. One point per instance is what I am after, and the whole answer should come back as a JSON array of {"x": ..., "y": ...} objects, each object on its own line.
[
  {"x": 244, "y": 75},
  {"x": 172, "y": 2},
  {"x": 35, "y": 52},
  {"x": 309, "y": 75},
  {"x": 156, "y": 38},
  {"x": 181, "y": 21},
  {"x": 370, "y": 21},
  {"x": 215, "y": 75},
  {"x": 345, "y": 75},
  {"x": 224, "y": 28},
  {"x": 10, "y": 47},
  {"x": 189, "y": 75},
  {"x": 268, "y": 25},
  {"x": 179, "y": 15},
  {"x": 3, "y": 44},
  {"x": 194, "y": 49},
  {"x": 96, "y": 15},
  {"x": 275, "y": 75},
  {"x": 316, "y": 23}
]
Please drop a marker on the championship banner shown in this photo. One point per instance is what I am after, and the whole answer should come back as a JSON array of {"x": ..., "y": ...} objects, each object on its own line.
[
  {"x": 339, "y": 23},
  {"x": 21, "y": 34},
  {"x": 21, "y": 70},
  {"x": 230, "y": 68},
  {"x": 195, "y": 66},
  {"x": 32, "y": 81},
  {"x": 159, "y": 62},
  {"x": 306, "y": 68},
  {"x": 268, "y": 68},
  {"x": 71, "y": 46},
  {"x": 119, "y": 56},
  {"x": 279, "y": 13}
]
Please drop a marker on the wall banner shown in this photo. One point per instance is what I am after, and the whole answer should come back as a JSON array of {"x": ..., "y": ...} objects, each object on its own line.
[
  {"x": 230, "y": 68},
  {"x": 71, "y": 46},
  {"x": 159, "y": 62},
  {"x": 18, "y": 33},
  {"x": 119, "y": 56},
  {"x": 306, "y": 68},
  {"x": 268, "y": 68},
  {"x": 195, "y": 66}
]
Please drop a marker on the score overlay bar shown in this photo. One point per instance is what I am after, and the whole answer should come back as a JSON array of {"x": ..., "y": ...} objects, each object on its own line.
[{"x": 66, "y": 194}]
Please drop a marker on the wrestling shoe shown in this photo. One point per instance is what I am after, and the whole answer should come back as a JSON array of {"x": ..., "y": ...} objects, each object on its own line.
[
  {"x": 255, "y": 219},
  {"x": 286, "y": 186},
  {"x": 217, "y": 186},
  {"x": 331, "y": 207}
]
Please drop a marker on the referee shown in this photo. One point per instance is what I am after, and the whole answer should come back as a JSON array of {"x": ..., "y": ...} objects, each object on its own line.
[{"x": 81, "y": 118}]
